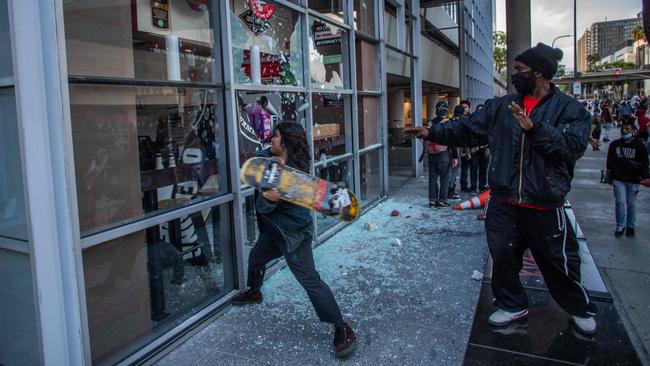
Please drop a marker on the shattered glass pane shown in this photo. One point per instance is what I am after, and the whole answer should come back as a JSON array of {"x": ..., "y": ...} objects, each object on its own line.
[
  {"x": 328, "y": 52},
  {"x": 368, "y": 115},
  {"x": 370, "y": 164},
  {"x": 266, "y": 44},
  {"x": 259, "y": 112},
  {"x": 330, "y": 112}
]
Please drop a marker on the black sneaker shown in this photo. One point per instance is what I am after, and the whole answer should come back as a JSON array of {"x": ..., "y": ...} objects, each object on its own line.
[
  {"x": 629, "y": 232},
  {"x": 250, "y": 296},
  {"x": 454, "y": 196},
  {"x": 618, "y": 233},
  {"x": 443, "y": 204},
  {"x": 433, "y": 203},
  {"x": 345, "y": 341}
]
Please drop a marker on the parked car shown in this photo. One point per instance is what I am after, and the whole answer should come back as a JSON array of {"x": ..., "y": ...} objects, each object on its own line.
[{"x": 610, "y": 68}]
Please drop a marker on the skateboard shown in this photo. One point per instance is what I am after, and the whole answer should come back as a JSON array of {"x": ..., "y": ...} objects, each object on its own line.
[{"x": 300, "y": 188}]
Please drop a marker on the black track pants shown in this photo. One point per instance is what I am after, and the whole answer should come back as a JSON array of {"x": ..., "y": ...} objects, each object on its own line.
[{"x": 510, "y": 231}]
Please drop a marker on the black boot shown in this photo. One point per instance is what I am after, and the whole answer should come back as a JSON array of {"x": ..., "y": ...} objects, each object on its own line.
[
  {"x": 250, "y": 296},
  {"x": 345, "y": 341}
]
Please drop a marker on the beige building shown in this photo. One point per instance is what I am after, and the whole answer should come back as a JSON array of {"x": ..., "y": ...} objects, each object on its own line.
[{"x": 584, "y": 45}]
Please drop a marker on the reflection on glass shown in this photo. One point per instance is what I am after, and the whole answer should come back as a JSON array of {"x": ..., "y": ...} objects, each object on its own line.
[
  {"x": 390, "y": 25},
  {"x": 142, "y": 149},
  {"x": 18, "y": 336},
  {"x": 142, "y": 39},
  {"x": 337, "y": 172},
  {"x": 266, "y": 44},
  {"x": 331, "y": 8},
  {"x": 330, "y": 121},
  {"x": 369, "y": 133},
  {"x": 364, "y": 16},
  {"x": 370, "y": 164},
  {"x": 259, "y": 112},
  {"x": 368, "y": 66},
  {"x": 13, "y": 223},
  {"x": 327, "y": 55},
  {"x": 141, "y": 285},
  {"x": 6, "y": 65}
]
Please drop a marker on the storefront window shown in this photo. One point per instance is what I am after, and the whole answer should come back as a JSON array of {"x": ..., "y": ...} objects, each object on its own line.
[
  {"x": 6, "y": 66},
  {"x": 142, "y": 150},
  {"x": 18, "y": 335},
  {"x": 259, "y": 112},
  {"x": 333, "y": 9},
  {"x": 370, "y": 164},
  {"x": 13, "y": 223},
  {"x": 141, "y": 39},
  {"x": 328, "y": 55},
  {"x": 368, "y": 66},
  {"x": 369, "y": 121},
  {"x": 364, "y": 16},
  {"x": 141, "y": 285},
  {"x": 266, "y": 44},
  {"x": 331, "y": 120},
  {"x": 336, "y": 172}
]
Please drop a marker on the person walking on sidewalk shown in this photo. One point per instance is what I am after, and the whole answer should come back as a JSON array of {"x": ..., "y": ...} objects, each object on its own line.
[
  {"x": 627, "y": 161},
  {"x": 286, "y": 230},
  {"x": 536, "y": 136},
  {"x": 456, "y": 154},
  {"x": 440, "y": 163}
]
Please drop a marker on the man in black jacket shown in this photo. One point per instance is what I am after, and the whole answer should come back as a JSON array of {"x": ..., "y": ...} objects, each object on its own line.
[{"x": 535, "y": 137}]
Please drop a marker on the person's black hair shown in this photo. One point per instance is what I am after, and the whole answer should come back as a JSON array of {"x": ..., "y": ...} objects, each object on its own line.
[
  {"x": 628, "y": 122},
  {"x": 459, "y": 110},
  {"x": 479, "y": 107},
  {"x": 466, "y": 102},
  {"x": 294, "y": 139}
]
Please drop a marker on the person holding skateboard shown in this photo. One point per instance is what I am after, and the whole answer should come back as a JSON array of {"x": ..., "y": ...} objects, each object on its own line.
[
  {"x": 535, "y": 136},
  {"x": 286, "y": 230}
]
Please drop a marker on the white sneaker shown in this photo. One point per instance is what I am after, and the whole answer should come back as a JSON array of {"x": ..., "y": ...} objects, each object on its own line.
[
  {"x": 502, "y": 317},
  {"x": 585, "y": 325}
]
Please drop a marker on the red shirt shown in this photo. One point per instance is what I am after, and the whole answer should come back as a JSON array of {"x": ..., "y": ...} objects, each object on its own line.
[{"x": 529, "y": 105}]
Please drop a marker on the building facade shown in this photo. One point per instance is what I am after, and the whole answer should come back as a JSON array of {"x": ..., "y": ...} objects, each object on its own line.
[
  {"x": 584, "y": 46},
  {"x": 608, "y": 37},
  {"x": 123, "y": 222}
]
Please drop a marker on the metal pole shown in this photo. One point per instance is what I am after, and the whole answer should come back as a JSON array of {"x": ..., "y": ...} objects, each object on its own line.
[
  {"x": 558, "y": 37},
  {"x": 575, "y": 44}
]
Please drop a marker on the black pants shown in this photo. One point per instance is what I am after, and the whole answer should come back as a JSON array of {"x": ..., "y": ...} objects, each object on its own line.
[
  {"x": 510, "y": 231},
  {"x": 439, "y": 168},
  {"x": 478, "y": 170},
  {"x": 301, "y": 264},
  {"x": 465, "y": 167}
]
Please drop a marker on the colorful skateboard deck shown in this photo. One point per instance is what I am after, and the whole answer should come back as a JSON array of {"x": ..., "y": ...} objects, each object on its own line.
[{"x": 301, "y": 188}]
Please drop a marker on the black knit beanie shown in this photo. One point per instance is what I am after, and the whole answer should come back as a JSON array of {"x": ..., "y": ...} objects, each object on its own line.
[{"x": 542, "y": 58}]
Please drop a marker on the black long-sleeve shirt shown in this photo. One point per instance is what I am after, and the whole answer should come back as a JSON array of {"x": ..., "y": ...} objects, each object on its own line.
[{"x": 628, "y": 161}]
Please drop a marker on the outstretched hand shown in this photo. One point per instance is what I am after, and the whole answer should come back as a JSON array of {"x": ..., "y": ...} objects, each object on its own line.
[
  {"x": 521, "y": 116},
  {"x": 417, "y": 132}
]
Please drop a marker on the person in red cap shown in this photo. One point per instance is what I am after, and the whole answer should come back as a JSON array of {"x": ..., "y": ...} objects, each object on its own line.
[{"x": 535, "y": 137}]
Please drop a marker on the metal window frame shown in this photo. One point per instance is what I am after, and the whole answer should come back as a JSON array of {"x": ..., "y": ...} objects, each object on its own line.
[{"x": 416, "y": 88}]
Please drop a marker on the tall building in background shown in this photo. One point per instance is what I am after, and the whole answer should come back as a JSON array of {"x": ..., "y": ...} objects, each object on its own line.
[
  {"x": 584, "y": 45},
  {"x": 608, "y": 37},
  {"x": 477, "y": 84}
]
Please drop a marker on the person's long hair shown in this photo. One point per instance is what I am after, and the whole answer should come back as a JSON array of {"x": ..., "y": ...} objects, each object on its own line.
[{"x": 294, "y": 139}]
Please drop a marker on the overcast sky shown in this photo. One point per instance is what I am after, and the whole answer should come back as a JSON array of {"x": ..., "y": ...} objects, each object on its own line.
[{"x": 552, "y": 18}]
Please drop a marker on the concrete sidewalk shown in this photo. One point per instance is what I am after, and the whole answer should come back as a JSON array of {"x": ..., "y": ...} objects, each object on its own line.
[
  {"x": 622, "y": 262},
  {"x": 410, "y": 302}
]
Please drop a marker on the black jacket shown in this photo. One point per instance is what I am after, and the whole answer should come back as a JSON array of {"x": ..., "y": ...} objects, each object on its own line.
[
  {"x": 628, "y": 161},
  {"x": 535, "y": 167},
  {"x": 289, "y": 224}
]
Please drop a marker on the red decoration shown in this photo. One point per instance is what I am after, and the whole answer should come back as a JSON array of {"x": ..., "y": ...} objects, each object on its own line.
[
  {"x": 198, "y": 5},
  {"x": 261, "y": 9}
]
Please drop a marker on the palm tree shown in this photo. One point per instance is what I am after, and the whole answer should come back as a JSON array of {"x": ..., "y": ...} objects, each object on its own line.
[{"x": 637, "y": 33}]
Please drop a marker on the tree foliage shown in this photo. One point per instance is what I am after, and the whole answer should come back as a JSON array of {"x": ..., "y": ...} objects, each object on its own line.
[
  {"x": 500, "y": 51},
  {"x": 638, "y": 33}
]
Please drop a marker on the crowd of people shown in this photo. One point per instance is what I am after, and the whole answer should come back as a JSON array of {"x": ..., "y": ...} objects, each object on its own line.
[
  {"x": 627, "y": 157},
  {"x": 446, "y": 162}
]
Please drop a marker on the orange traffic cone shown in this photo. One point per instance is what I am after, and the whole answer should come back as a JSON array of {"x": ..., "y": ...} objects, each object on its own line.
[{"x": 474, "y": 202}]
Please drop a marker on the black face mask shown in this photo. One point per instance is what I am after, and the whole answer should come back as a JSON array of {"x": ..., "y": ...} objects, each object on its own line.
[{"x": 524, "y": 82}]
